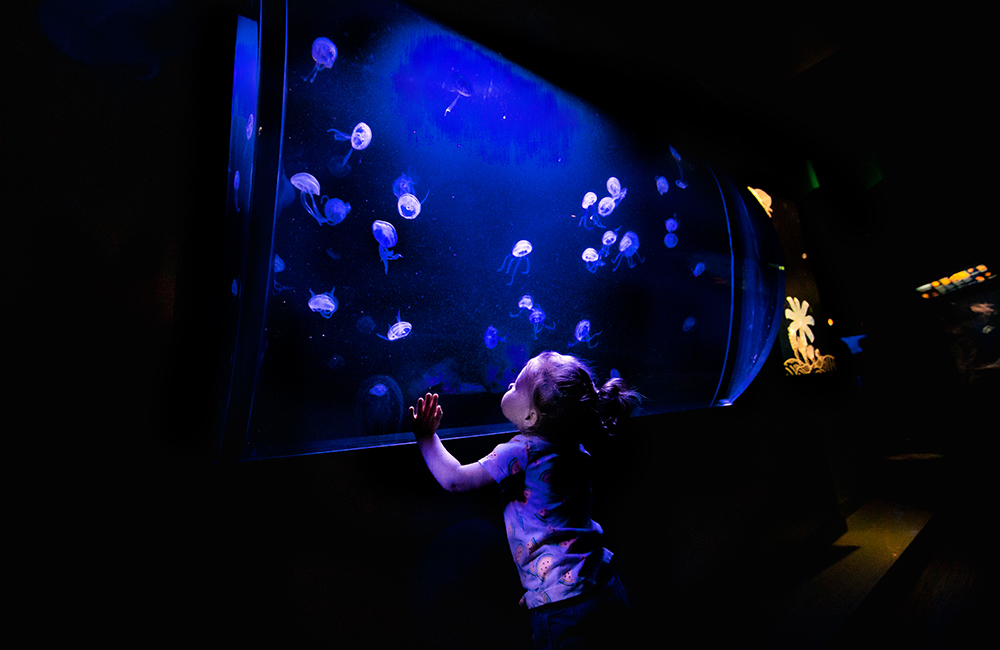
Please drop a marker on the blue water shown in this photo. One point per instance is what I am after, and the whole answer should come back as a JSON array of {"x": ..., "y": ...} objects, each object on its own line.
[{"x": 495, "y": 156}]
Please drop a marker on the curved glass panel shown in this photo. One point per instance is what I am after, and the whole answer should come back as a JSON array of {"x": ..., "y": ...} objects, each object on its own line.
[{"x": 442, "y": 215}]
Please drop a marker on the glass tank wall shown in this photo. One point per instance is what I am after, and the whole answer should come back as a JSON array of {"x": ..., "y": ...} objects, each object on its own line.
[{"x": 430, "y": 216}]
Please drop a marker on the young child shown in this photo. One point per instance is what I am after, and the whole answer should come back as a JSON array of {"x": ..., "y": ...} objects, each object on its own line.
[{"x": 573, "y": 595}]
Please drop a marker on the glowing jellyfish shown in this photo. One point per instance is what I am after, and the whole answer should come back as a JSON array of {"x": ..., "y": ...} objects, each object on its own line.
[
  {"x": 360, "y": 138},
  {"x": 616, "y": 190},
  {"x": 605, "y": 207},
  {"x": 698, "y": 269},
  {"x": 279, "y": 266},
  {"x": 670, "y": 240},
  {"x": 593, "y": 259},
  {"x": 492, "y": 336},
  {"x": 662, "y": 185},
  {"x": 688, "y": 323},
  {"x": 308, "y": 188},
  {"x": 525, "y": 303},
  {"x": 519, "y": 251},
  {"x": 250, "y": 126},
  {"x": 385, "y": 234},
  {"x": 324, "y": 303},
  {"x": 399, "y": 329},
  {"x": 680, "y": 171},
  {"x": 461, "y": 88},
  {"x": 589, "y": 201},
  {"x": 324, "y": 53},
  {"x": 236, "y": 188},
  {"x": 537, "y": 318},
  {"x": 403, "y": 185},
  {"x": 607, "y": 240},
  {"x": 628, "y": 248},
  {"x": 379, "y": 406},
  {"x": 336, "y": 211},
  {"x": 582, "y": 334},
  {"x": 670, "y": 224},
  {"x": 409, "y": 206}
]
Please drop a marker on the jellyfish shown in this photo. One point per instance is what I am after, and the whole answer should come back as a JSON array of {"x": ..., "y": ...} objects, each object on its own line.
[
  {"x": 279, "y": 266},
  {"x": 670, "y": 240},
  {"x": 582, "y": 334},
  {"x": 616, "y": 190},
  {"x": 537, "y": 318},
  {"x": 671, "y": 224},
  {"x": 385, "y": 234},
  {"x": 698, "y": 269},
  {"x": 379, "y": 406},
  {"x": 360, "y": 138},
  {"x": 324, "y": 53},
  {"x": 399, "y": 329},
  {"x": 461, "y": 89},
  {"x": 308, "y": 188},
  {"x": 604, "y": 208},
  {"x": 402, "y": 185},
  {"x": 336, "y": 211},
  {"x": 627, "y": 247},
  {"x": 520, "y": 249},
  {"x": 492, "y": 336},
  {"x": 593, "y": 259},
  {"x": 589, "y": 200},
  {"x": 250, "y": 126},
  {"x": 680, "y": 181},
  {"x": 662, "y": 185},
  {"x": 688, "y": 323},
  {"x": 409, "y": 206},
  {"x": 607, "y": 239},
  {"x": 324, "y": 303},
  {"x": 524, "y": 303},
  {"x": 236, "y": 189}
]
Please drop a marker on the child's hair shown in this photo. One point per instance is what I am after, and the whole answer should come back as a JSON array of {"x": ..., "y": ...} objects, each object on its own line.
[{"x": 569, "y": 403}]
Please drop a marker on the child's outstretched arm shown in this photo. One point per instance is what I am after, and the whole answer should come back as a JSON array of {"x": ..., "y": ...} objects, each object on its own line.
[{"x": 452, "y": 475}]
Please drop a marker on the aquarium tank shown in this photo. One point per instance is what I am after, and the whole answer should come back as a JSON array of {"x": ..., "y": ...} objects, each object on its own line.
[{"x": 408, "y": 212}]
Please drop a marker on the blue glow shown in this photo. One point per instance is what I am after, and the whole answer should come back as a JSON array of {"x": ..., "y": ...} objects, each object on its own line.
[
  {"x": 385, "y": 234},
  {"x": 324, "y": 52},
  {"x": 336, "y": 211},
  {"x": 628, "y": 248},
  {"x": 582, "y": 334},
  {"x": 398, "y": 330},
  {"x": 688, "y": 323},
  {"x": 593, "y": 259},
  {"x": 520, "y": 251},
  {"x": 323, "y": 303},
  {"x": 662, "y": 185},
  {"x": 670, "y": 240},
  {"x": 492, "y": 337}
]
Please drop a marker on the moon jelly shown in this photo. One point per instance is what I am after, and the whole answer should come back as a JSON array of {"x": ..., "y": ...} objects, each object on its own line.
[
  {"x": 491, "y": 337},
  {"x": 606, "y": 206},
  {"x": 308, "y": 188},
  {"x": 607, "y": 240},
  {"x": 324, "y": 53},
  {"x": 385, "y": 234},
  {"x": 336, "y": 211},
  {"x": 593, "y": 259},
  {"x": 670, "y": 224},
  {"x": 408, "y": 206},
  {"x": 698, "y": 269},
  {"x": 399, "y": 329},
  {"x": 670, "y": 240},
  {"x": 402, "y": 185},
  {"x": 360, "y": 138},
  {"x": 662, "y": 185},
  {"x": 380, "y": 406},
  {"x": 378, "y": 390},
  {"x": 324, "y": 303},
  {"x": 582, "y": 334},
  {"x": 537, "y": 318},
  {"x": 688, "y": 323},
  {"x": 628, "y": 247},
  {"x": 461, "y": 88},
  {"x": 520, "y": 250},
  {"x": 524, "y": 303},
  {"x": 616, "y": 190}
]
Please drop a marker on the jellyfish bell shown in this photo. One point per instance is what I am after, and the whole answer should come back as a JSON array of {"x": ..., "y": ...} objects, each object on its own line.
[
  {"x": 324, "y": 53},
  {"x": 399, "y": 329},
  {"x": 589, "y": 199},
  {"x": 492, "y": 337},
  {"x": 606, "y": 206},
  {"x": 378, "y": 390},
  {"x": 521, "y": 248},
  {"x": 408, "y": 206},
  {"x": 689, "y": 323},
  {"x": 336, "y": 211},
  {"x": 592, "y": 258},
  {"x": 662, "y": 185},
  {"x": 698, "y": 269},
  {"x": 324, "y": 303},
  {"x": 627, "y": 248},
  {"x": 670, "y": 240},
  {"x": 670, "y": 224},
  {"x": 384, "y": 233},
  {"x": 308, "y": 188},
  {"x": 461, "y": 88},
  {"x": 360, "y": 138},
  {"x": 615, "y": 189},
  {"x": 581, "y": 334},
  {"x": 609, "y": 237}
]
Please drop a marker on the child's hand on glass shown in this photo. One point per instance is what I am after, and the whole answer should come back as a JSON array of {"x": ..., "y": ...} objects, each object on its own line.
[{"x": 426, "y": 416}]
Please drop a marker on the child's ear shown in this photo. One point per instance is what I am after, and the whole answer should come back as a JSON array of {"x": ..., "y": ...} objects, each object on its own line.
[{"x": 531, "y": 419}]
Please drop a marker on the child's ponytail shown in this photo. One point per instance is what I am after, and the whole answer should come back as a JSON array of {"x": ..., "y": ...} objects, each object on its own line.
[{"x": 615, "y": 402}]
